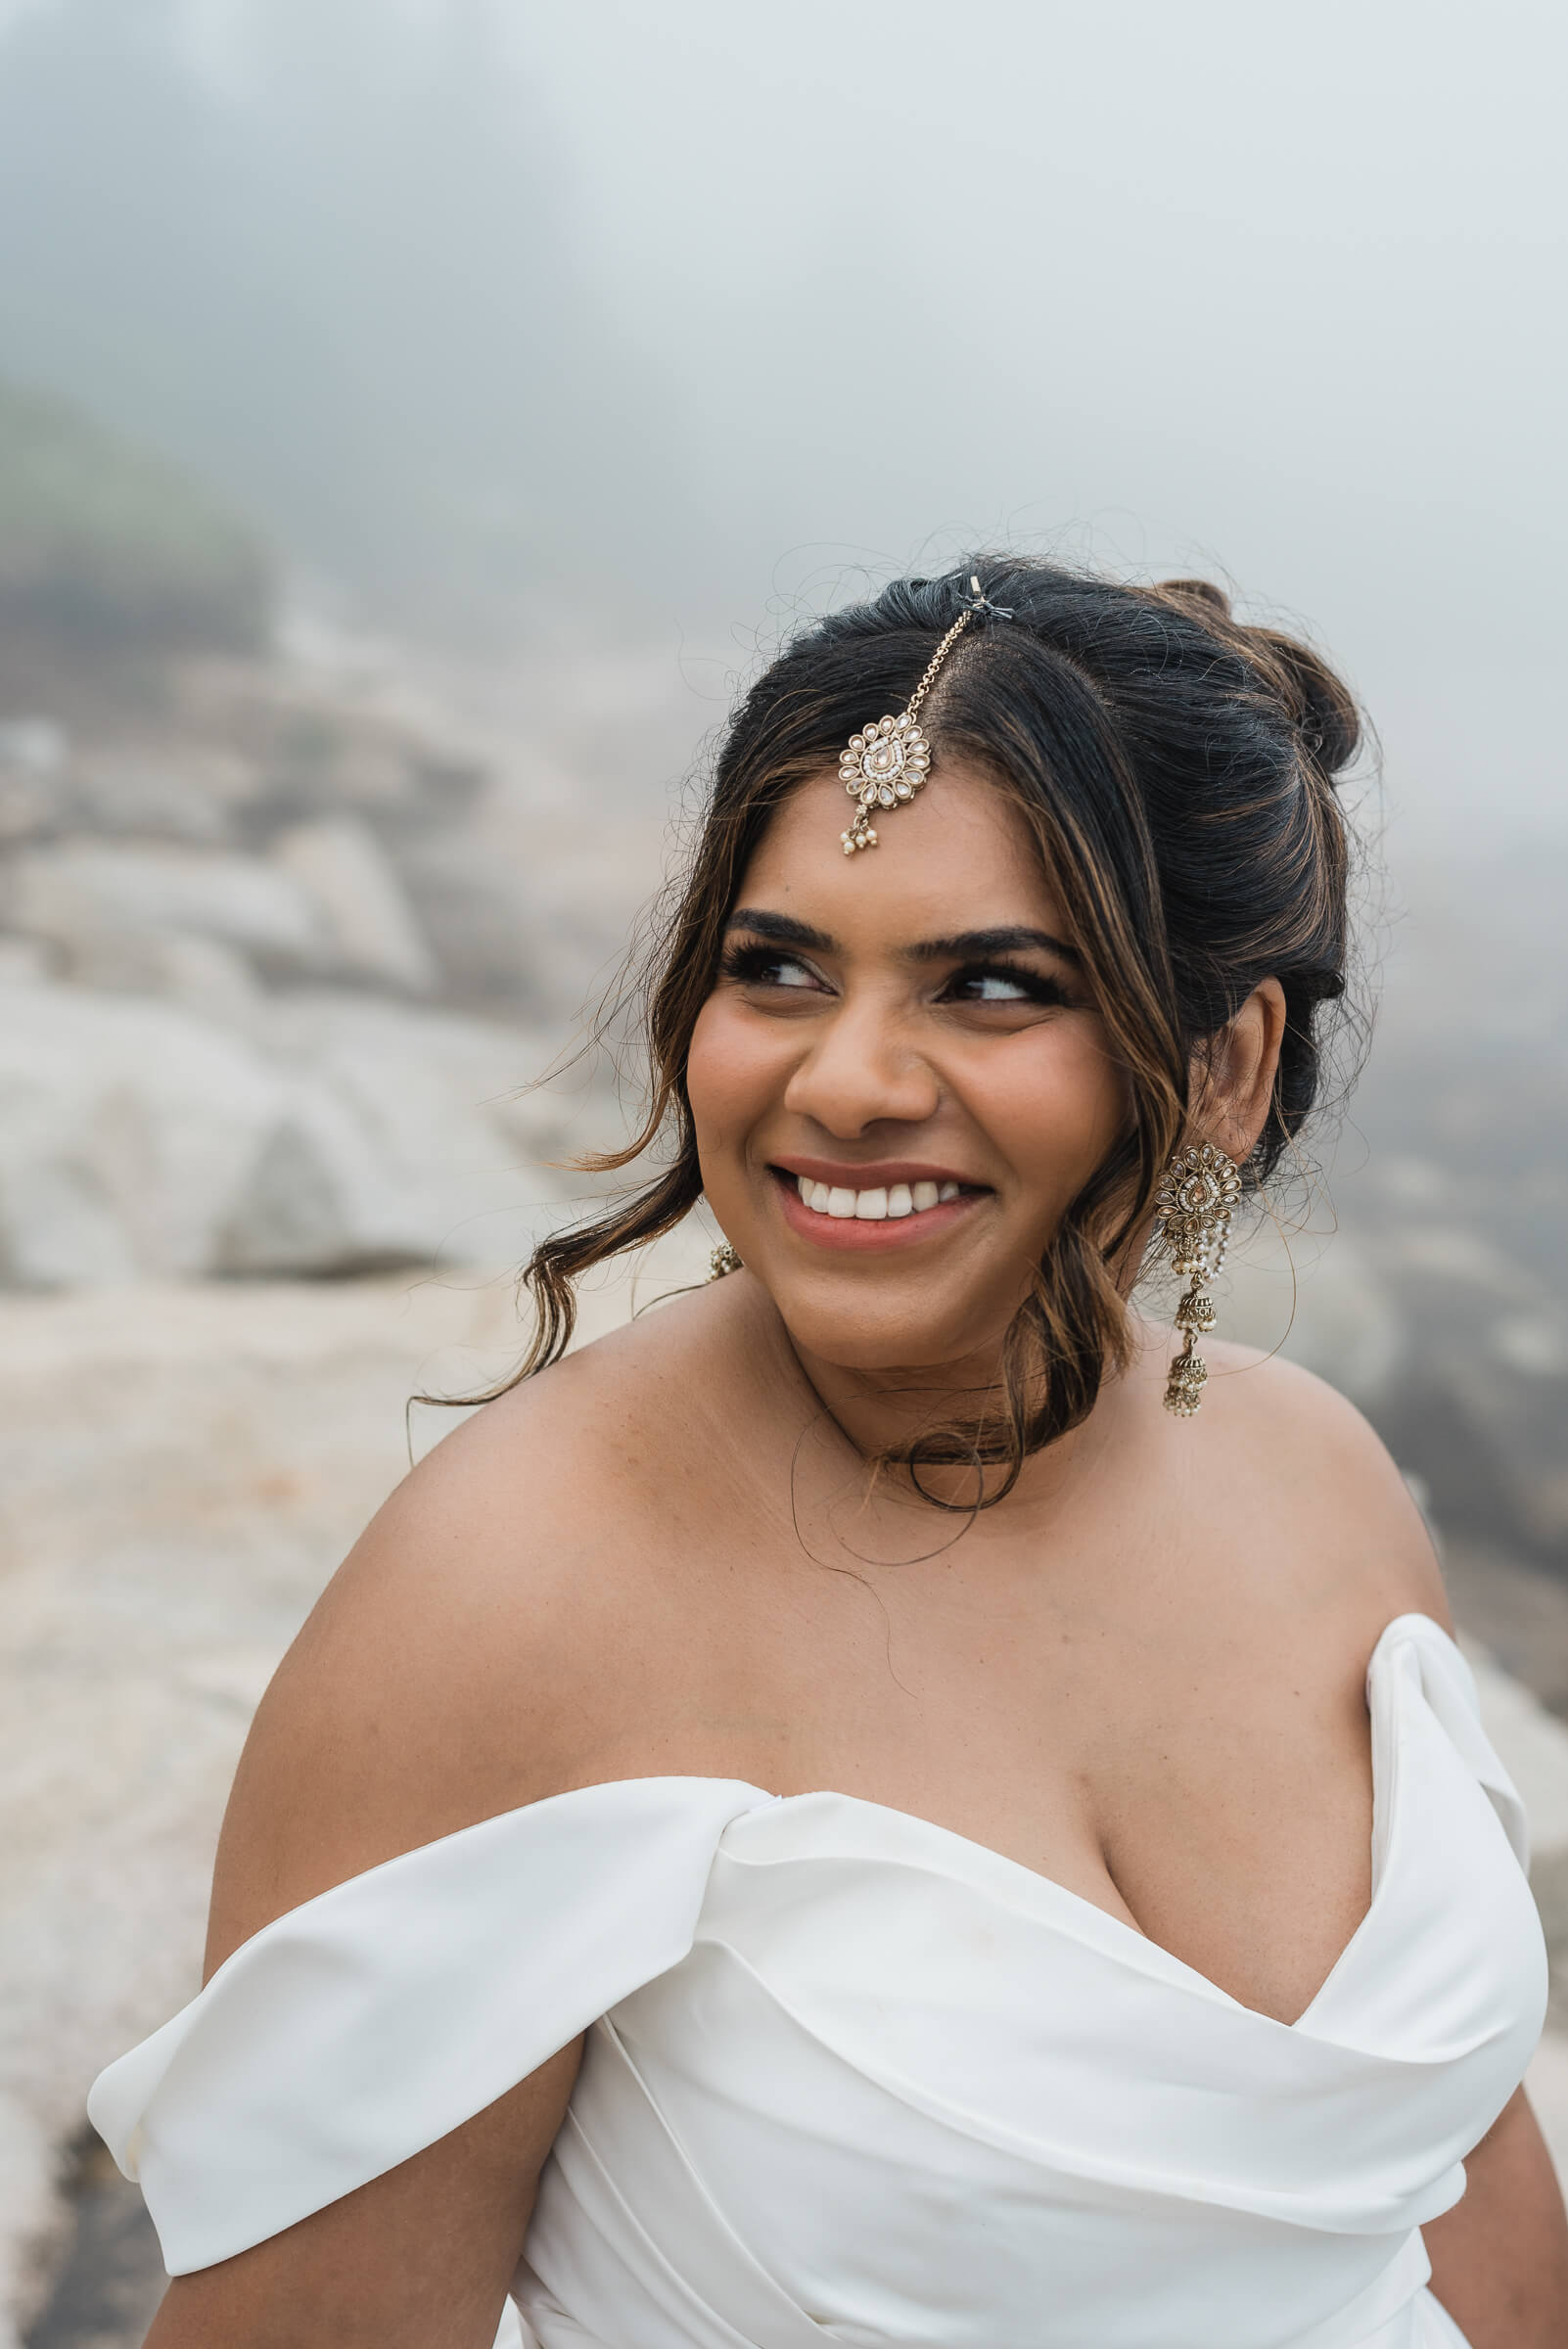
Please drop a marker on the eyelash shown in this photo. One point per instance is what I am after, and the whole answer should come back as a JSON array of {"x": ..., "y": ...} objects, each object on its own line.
[{"x": 750, "y": 966}]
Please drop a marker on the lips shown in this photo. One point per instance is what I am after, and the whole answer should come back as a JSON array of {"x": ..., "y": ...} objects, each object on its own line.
[{"x": 910, "y": 1206}]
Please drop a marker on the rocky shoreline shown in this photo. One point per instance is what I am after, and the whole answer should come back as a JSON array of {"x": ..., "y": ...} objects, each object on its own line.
[{"x": 184, "y": 1464}]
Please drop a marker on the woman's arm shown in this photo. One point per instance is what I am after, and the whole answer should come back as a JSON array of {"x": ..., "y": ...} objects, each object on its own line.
[
  {"x": 1499, "y": 2258},
  {"x": 418, "y": 2259},
  {"x": 455, "y": 1669}
]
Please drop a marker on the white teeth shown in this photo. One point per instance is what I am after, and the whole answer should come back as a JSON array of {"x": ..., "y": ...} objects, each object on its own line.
[{"x": 873, "y": 1206}]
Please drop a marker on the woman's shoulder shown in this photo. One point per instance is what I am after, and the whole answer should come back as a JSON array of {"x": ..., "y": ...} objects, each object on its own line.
[
  {"x": 1287, "y": 1495},
  {"x": 1296, "y": 1455},
  {"x": 515, "y": 1622}
]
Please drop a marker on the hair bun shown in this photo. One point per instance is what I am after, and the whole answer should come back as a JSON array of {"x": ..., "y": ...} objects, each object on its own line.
[
  {"x": 1199, "y": 591},
  {"x": 1319, "y": 706},
  {"x": 1326, "y": 716}
]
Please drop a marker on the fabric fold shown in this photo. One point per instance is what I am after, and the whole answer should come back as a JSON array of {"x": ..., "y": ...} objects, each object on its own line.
[
  {"x": 850, "y": 2077},
  {"x": 363, "y": 2026}
]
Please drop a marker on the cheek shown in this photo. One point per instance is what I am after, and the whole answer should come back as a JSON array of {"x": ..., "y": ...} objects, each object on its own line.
[
  {"x": 1056, "y": 1110},
  {"x": 731, "y": 1074}
]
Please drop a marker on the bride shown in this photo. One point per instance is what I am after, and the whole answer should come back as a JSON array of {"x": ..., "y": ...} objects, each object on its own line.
[{"x": 871, "y": 1806}]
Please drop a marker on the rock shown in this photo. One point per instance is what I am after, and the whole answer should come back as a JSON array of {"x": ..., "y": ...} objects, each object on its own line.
[
  {"x": 125, "y": 1130},
  {"x": 327, "y": 902},
  {"x": 24, "y": 962},
  {"x": 479, "y": 918},
  {"x": 138, "y": 1140},
  {"x": 315, "y": 1200},
  {"x": 1319, "y": 1300},
  {"x": 35, "y": 746},
  {"x": 1534, "y": 1747},
  {"x": 439, "y": 1100},
  {"x": 34, "y": 764},
  {"x": 32, "y": 2227},
  {"x": 375, "y": 935},
  {"x": 91, "y": 896},
  {"x": 200, "y": 973},
  {"x": 1547, "y": 2084},
  {"x": 237, "y": 1442},
  {"x": 179, "y": 791},
  {"x": 183, "y": 1466},
  {"x": 514, "y": 929},
  {"x": 322, "y": 751}
]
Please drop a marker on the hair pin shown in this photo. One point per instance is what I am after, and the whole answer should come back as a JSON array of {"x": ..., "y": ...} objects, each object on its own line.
[{"x": 979, "y": 602}]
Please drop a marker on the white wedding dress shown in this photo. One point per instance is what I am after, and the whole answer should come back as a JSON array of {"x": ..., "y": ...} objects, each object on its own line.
[{"x": 853, "y": 2077}]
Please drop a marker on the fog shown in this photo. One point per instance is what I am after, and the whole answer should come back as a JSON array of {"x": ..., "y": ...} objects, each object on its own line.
[
  {"x": 678, "y": 318},
  {"x": 416, "y": 418}
]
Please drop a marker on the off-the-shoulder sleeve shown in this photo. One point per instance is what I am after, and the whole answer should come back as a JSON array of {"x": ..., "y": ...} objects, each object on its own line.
[
  {"x": 1417, "y": 1644},
  {"x": 367, "y": 2023}
]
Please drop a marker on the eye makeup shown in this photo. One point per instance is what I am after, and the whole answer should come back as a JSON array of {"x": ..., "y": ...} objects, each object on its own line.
[{"x": 995, "y": 980}]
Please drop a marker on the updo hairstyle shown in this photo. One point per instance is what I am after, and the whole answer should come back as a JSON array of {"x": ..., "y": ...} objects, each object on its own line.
[{"x": 1176, "y": 768}]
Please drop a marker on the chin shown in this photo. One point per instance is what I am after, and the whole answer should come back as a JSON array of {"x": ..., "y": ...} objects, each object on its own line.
[{"x": 863, "y": 1333}]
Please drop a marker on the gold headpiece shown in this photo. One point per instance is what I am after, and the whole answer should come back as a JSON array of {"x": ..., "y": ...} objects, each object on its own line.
[{"x": 885, "y": 766}]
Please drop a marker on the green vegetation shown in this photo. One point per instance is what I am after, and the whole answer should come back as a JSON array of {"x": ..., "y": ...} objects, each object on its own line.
[{"x": 102, "y": 544}]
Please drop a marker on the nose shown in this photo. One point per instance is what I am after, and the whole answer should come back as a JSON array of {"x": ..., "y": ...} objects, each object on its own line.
[{"x": 861, "y": 1070}]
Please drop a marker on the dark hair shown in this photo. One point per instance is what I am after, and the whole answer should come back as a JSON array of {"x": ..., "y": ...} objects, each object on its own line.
[{"x": 1176, "y": 767}]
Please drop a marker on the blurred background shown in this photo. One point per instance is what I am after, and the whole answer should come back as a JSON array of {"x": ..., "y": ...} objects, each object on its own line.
[{"x": 417, "y": 418}]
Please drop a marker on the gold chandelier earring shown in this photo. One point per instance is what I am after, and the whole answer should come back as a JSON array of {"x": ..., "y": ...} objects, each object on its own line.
[{"x": 1197, "y": 1196}]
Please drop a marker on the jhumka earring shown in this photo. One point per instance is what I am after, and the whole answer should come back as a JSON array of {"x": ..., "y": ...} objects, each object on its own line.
[
  {"x": 1194, "y": 1203},
  {"x": 724, "y": 1260},
  {"x": 885, "y": 766}
]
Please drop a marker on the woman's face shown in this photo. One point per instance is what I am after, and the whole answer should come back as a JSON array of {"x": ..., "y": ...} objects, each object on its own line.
[{"x": 900, "y": 1082}]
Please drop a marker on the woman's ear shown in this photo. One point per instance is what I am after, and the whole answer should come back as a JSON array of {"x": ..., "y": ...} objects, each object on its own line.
[{"x": 1238, "y": 1072}]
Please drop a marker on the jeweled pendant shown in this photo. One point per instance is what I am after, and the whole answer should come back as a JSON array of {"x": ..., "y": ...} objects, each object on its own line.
[{"x": 882, "y": 769}]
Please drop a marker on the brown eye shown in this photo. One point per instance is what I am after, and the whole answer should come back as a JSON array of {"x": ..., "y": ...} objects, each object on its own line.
[
  {"x": 766, "y": 966},
  {"x": 993, "y": 987},
  {"x": 999, "y": 982}
]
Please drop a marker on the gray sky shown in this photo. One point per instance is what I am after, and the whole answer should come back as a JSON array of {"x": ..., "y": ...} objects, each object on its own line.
[
  {"x": 695, "y": 309},
  {"x": 1236, "y": 287}
]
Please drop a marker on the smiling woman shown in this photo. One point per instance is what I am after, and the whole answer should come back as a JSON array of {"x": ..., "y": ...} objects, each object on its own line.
[
  {"x": 828, "y": 1813},
  {"x": 1150, "y": 785}
]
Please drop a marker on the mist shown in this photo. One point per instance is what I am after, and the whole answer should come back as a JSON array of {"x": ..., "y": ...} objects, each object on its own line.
[
  {"x": 417, "y": 419},
  {"x": 681, "y": 322}
]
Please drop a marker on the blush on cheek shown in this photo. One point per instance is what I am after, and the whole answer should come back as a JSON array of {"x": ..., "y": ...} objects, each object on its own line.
[
  {"x": 1056, "y": 1113},
  {"x": 721, "y": 1072},
  {"x": 732, "y": 1080}
]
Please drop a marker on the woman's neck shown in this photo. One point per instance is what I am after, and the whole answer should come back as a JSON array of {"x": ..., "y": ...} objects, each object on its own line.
[{"x": 878, "y": 1414}]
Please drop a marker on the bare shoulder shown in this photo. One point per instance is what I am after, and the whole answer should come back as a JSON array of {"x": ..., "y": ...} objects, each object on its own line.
[
  {"x": 1302, "y": 1459},
  {"x": 496, "y": 1634}
]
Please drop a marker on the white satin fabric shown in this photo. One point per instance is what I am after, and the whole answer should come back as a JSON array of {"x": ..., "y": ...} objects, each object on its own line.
[{"x": 853, "y": 2077}]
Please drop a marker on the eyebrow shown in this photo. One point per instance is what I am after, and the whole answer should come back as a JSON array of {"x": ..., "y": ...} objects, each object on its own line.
[{"x": 963, "y": 946}]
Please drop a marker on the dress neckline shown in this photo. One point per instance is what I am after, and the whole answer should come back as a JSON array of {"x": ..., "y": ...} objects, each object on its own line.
[
  {"x": 1136, "y": 1946},
  {"x": 1134, "y": 1935}
]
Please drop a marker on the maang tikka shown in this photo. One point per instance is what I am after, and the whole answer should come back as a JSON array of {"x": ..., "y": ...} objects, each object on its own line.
[
  {"x": 1197, "y": 1196},
  {"x": 883, "y": 768}
]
